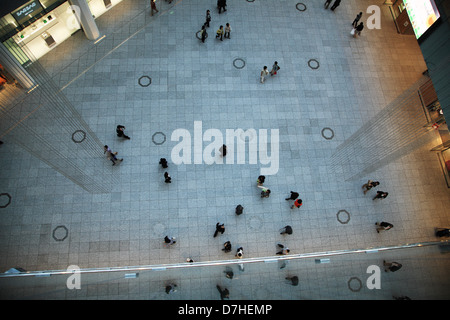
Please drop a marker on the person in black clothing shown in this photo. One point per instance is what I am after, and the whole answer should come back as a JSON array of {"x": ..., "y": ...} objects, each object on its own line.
[
  {"x": 359, "y": 28},
  {"x": 381, "y": 195},
  {"x": 441, "y": 232},
  {"x": 227, "y": 246},
  {"x": 204, "y": 33},
  {"x": 224, "y": 294},
  {"x": 358, "y": 17},
  {"x": 163, "y": 162},
  {"x": 221, "y": 4},
  {"x": 219, "y": 228},
  {"x": 335, "y": 5},
  {"x": 167, "y": 178},
  {"x": 208, "y": 18},
  {"x": 287, "y": 229},
  {"x": 327, "y": 3},
  {"x": 381, "y": 226},
  {"x": 294, "y": 195},
  {"x": 120, "y": 132},
  {"x": 391, "y": 266}
]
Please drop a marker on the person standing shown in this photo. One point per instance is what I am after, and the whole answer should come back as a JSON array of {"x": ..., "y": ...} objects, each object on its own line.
[
  {"x": 358, "y": 30},
  {"x": 275, "y": 68},
  {"x": 239, "y": 210},
  {"x": 327, "y": 3},
  {"x": 227, "y": 31},
  {"x": 167, "y": 178},
  {"x": 297, "y": 204},
  {"x": 111, "y": 155},
  {"x": 294, "y": 195},
  {"x": 264, "y": 73},
  {"x": 358, "y": 17},
  {"x": 382, "y": 226},
  {"x": 335, "y": 5},
  {"x": 265, "y": 193},
  {"x": 120, "y": 132},
  {"x": 381, "y": 195},
  {"x": 208, "y": 18},
  {"x": 219, "y": 228},
  {"x": 153, "y": 5},
  {"x": 293, "y": 280},
  {"x": 369, "y": 185}
]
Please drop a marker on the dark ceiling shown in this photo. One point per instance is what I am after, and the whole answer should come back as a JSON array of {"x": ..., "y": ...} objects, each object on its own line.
[{"x": 7, "y": 6}]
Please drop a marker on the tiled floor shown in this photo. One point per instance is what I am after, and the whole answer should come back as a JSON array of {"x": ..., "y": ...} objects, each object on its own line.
[{"x": 195, "y": 81}]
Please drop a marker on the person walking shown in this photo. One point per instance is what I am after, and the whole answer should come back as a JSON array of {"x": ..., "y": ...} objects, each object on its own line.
[
  {"x": 381, "y": 195},
  {"x": 297, "y": 204},
  {"x": 169, "y": 241},
  {"x": 221, "y": 4},
  {"x": 358, "y": 30},
  {"x": 369, "y": 185},
  {"x": 293, "y": 280},
  {"x": 153, "y": 5},
  {"x": 335, "y": 5},
  {"x": 286, "y": 230},
  {"x": 265, "y": 193},
  {"x": 167, "y": 178},
  {"x": 391, "y": 266},
  {"x": 219, "y": 228},
  {"x": 208, "y": 18},
  {"x": 264, "y": 73},
  {"x": 163, "y": 163},
  {"x": 383, "y": 226},
  {"x": 239, "y": 210},
  {"x": 260, "y": 180},
  {"x": 111, "y": 155},
  {"x": 275, "y": 68},
  {"x": 284, "y": 250},
  {"x": 442, "y": 232},
  {"x": 294, "y": 195},
  {"x": 358, "y": 17},
  {"x": 239, "y": 253},
  {"x": 120, "y": 132},
  {"x": 224, "y": 294},
  {"x": 204, "y": 34},
  {"x": 227, "y": 246},
  {"x": 327, "y": 3},
  {"x": 219, "y": 33},
  {"x": 223, "y": 150},
  {"x": 227, "y": 31},
  {"x": 171, "y": 288}
]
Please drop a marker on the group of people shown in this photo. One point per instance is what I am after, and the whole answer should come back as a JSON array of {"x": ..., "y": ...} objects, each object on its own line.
[
  {"x": 381, "y": 226},
  {"x": 221, "y": 32}
]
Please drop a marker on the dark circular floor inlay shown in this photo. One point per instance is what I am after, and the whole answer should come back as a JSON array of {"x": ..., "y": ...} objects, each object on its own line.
[
  {"x": 198, "y": 35},
  {"x": 78, "y": 136},
  {"x": 60, "y": 233},
  {"x": 5, "y": 200},
  {"x": 352, "y": 286},
  {"x": 327, "y": 133},
  {"x": 340, "y": 214},
  {"x": 300, "y": 6},
  {"x": 145, "y": 81},
  {"x": 240, "y": 63},
  {"x": 158, "y": 141},
  {"x": 313, "y": 64}
]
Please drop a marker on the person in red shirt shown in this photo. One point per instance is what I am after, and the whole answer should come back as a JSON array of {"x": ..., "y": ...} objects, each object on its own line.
[{"x": 297, "y": 204}]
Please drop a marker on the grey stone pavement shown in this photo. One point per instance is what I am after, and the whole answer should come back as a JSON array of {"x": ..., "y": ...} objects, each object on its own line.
[{"x": 195, "y": 81}]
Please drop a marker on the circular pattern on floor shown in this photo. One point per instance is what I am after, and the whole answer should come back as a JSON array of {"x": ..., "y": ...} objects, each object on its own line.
[
  {"x": 78, "y": 136},
  {"x": 158, "y": 141},
  {"x": 239, "y": 63},
  {"x": 60, "y": 233},
  {"x": 198, "y": 35},
  {"x": 327, "y": 133},
  {"x": 301, "y": 5},
  {"x": 354, "y": 284},
  {"x": 5, "y": 200},
  {"x": 145, "y": 81},
  {"x": 313, "y": 64},
  {"x": 340, "y": 214}
]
